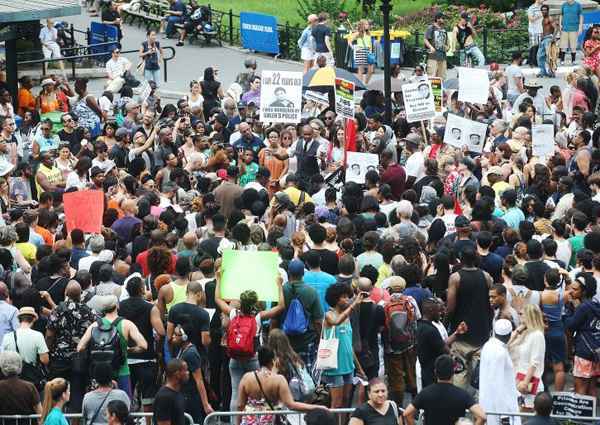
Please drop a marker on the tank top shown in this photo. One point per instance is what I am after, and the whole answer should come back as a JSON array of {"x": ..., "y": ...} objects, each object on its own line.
[
  {"x": 553, "y": 312},
  {"x": 343, "y": 332},
  {"x": 124, "y": 369},
  {"x": 364, "y": 42},
  {"x": 54, "y": 176},
  {"x": 473, "y": 307},
  {"x": 179, "y": 294},
  {"x": 138, "y": 311}
]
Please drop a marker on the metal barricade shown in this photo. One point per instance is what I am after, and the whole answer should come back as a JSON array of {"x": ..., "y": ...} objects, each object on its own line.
[
  {"x": 562, "y": 419},
  {"x": 34, "y": 419},
  {"x": 293, "y": 416}
]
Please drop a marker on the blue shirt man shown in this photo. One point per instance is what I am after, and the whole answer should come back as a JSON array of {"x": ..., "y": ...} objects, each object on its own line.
[
  {"x": 248, "y": 141},
  {"x": 571, "y": 13}
]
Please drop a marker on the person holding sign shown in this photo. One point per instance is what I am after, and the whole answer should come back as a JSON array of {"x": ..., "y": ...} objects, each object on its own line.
[
  {"x": 364, "y": 57},
  {"x": 244, "y": 315}
]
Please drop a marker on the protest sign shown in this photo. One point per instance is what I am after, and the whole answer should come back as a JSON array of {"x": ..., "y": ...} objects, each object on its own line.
[
  {"x": 462, "y": 132},
  {"x": 437, "y": 89},
  {"x": 358, "y": 165},
  {"x": 542, "y": 140},
  {"x": 83, "y": 210},
  {"x": 145, "y": 90},
  {"x": 317, "y": 97},
  {"x": 250, "y": 270},
  {"x": 281, "y": 96},
  {"x": 259, "y": 32},
  {"x": 344, "y": 98},
  {"x": 418, "y": 101},
  {"x": 473, "y": 85},
  {"x": 572, "y": 404}
]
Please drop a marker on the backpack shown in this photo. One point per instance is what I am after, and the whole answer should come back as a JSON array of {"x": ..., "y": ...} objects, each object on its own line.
[
  {"x": 296, "y": 322},
  {"x": 105, "y": 344},
  {"x": 519, "y": 300},
  {"x": 241, "y": 337},
  {"x": 400, "y": 324}
]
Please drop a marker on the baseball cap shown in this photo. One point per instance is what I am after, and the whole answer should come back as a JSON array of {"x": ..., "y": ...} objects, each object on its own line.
[
  {"x": 296, "y": 268},
  {"x": 495, "y": 170},
  {"x": 413, "y": 138},
  {"x": 461, "y": 221},
  {"x": 95, "y": 171},
  {"x": 250, "y": 62},
  {"x": 121, "y": 133}
]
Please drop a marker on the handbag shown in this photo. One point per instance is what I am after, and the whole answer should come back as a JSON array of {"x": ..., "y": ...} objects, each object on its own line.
[
  {"x": 279, "y": 419},
  {"x": 327, "y": 354},
  {"x": 371, "y": 58},
  {"x": 533, "y": 384},
  {"x": 302, "y": 385},
  {"x": 33, "y": 373}
]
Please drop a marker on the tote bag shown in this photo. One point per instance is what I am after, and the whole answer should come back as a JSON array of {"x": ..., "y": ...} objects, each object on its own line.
[{"x": 328, "y": 350}]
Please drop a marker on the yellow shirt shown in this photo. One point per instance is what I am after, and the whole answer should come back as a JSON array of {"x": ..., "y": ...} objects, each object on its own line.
[
  {"x": 294, "y": 194},
  {"x": 28, "y": 250},
  {"x": 54, "y": 176}
]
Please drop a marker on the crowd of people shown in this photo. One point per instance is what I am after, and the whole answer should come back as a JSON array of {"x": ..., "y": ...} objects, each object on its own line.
[{"x": 451, "y": 280}]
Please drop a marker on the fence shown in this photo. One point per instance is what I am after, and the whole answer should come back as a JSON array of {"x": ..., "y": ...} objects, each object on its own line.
[
  {"x": 74, "y": 417},
  {"x": 229, "y": 32}
]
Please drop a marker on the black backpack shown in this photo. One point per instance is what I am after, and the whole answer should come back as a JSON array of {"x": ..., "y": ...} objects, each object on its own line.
[{"x": 105, "y": 345}]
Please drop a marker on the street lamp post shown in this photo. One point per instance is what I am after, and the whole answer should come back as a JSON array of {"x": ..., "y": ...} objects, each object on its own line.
[{"x": 386, "y": 8}]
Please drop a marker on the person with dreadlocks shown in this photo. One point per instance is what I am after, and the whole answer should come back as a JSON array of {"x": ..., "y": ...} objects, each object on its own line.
[{"x": 238, "y": 318}]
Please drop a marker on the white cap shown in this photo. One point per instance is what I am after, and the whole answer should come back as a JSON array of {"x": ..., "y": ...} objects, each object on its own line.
[{"x": 502, "y": 327}]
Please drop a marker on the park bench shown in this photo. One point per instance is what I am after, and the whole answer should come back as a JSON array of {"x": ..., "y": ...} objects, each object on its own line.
[{"x": 150, "y": 13}]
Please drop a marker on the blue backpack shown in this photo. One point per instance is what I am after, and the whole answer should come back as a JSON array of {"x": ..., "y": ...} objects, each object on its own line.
[{"x": 296, "y": 322}]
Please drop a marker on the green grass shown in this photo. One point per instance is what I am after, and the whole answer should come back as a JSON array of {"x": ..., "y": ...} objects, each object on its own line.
[{"x": 286, "y": 10}]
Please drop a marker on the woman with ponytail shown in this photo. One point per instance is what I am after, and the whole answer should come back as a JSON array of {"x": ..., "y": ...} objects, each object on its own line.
[
  {"x": 56, "y": 394},
  {"x": 117, "y": 413}
]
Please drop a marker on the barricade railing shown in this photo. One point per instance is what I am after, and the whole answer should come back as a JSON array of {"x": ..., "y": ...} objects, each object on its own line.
[
  {"x": 166, "y": 59},
  {"x": 570, "y": 419},
  {"x": 34, "y": 419},
  {"x": 293, "y": 416}
]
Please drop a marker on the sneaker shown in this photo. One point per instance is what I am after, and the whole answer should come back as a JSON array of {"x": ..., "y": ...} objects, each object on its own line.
[{"x": 179, "y": 43}]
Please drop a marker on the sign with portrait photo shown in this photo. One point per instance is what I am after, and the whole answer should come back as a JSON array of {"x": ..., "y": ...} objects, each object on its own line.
[
  {"x": 462, "y": 132},
  {"x": 359, "y": 164},
  {"x": 281, "y": 96},
  {"x": 344, "y": 98},
  {"x": 418, "y": 101}
]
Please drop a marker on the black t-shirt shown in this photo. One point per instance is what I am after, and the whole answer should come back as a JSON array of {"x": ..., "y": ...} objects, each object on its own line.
[
  {"x": 319, "y": 32},
  {"x": 430, "y": 345},
  {"x": 329, "y": 261},
  {"x": 536, "y": 270},
  {"x": 73, "y": 138},
  {"x": 370, "y": 416},
  {"x": 119, "y": 155},
  {"x": 55, "y": 287},
  {"x": 196, "y": 315},
  {"x": 169, "y": 405},
  {"x": 443, "y": 403},
  {"x": 190, "y": 390},
  {"x": 209, "y": 246},
  {"x": 372, "y": 319}
]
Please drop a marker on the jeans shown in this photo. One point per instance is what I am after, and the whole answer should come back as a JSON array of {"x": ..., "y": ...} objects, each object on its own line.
[
  {"x": 237, "y": 368},
  {"x": 541, "y": 56},
  {"x": 171, "y": 21},
  {"x": 152, "y": 75},
  {"x": 474, "y": 52}
]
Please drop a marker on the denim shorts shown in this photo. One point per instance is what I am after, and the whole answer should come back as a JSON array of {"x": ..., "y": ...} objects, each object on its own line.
[{"x": 336, "y": 381}]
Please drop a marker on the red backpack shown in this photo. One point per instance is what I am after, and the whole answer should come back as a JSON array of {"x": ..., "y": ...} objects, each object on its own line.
[
  {"x": 241, "y": 337},
  {"x": 400, "y": 324}
]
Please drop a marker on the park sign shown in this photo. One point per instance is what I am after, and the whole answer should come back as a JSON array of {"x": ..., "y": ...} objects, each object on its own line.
[
  {"x": 344, "y": 98},
  {"x": 259, "y": 32},
  {"x": 418, "y": 101},
  {"x": 281, "y": 97}
]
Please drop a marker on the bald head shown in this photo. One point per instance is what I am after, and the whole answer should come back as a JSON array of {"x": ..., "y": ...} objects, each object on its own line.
[
  {"x": 365, "y": 284},
  {"x": 73, "y": 291},
  {"x": 190, "y": 240}
]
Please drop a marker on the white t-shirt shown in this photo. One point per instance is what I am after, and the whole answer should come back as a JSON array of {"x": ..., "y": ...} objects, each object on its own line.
[
  {"x": 48, "y": 35},
  {"x": 73, "y": 180},
  {"x": 31, "y": 344},
  {"x": 415, "y": 166},
  {"x": 115, "y": 68},
  {"x": 512, "y": 72}
]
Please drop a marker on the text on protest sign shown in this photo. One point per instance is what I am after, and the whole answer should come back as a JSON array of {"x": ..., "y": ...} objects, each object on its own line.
[
  {"x": 418, "y": 101},
  {"x": 542, "y": 140},
  {"x": 344, "y": 98},
  {"x": 250, "y": 270},
  {"x": 473, "y": 85},
  {"x": 437, "y": 88},
  {"x": 572, "y": 404},
  {"x": 460, "y": 132},
  {"x": 359, "y": 164},
  {"x": 259, "y": 32},
  {"x": 281, "y": 96}
]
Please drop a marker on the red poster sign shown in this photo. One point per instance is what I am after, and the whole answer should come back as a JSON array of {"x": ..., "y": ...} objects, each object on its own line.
[{"x": 84, "y": 210}]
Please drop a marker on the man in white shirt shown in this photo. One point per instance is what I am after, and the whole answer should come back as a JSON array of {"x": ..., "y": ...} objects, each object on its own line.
[
  {"x": 116, "y": 66},
  {"x": 539, "y": 101},
  {"x": 30, "y": 344},
  {"x": 514, "y": 78},
  {"x": 535, "y": 30},
  {"x": 415, "y": 164},
  {"x": 50, "y": 48}
]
